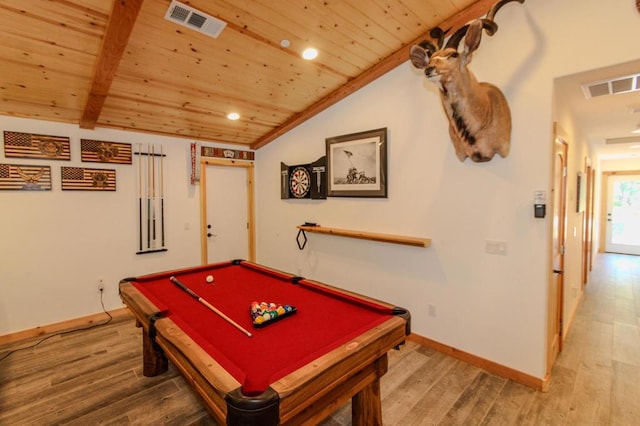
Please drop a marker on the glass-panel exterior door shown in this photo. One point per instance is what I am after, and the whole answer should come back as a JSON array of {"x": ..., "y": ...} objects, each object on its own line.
[{"x": 623, "y": 214}]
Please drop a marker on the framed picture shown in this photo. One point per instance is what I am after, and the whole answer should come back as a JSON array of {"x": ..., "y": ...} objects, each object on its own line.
[
  {"x": 581, "y": 194},
  {"x": 357, "y": 164}
]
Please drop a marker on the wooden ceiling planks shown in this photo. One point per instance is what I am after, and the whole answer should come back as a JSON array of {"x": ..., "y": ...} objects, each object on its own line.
[
  {"x": 475, "y": 10},
  {"x": 47, "y": 55},
  {"x": 171, "y": 80}
]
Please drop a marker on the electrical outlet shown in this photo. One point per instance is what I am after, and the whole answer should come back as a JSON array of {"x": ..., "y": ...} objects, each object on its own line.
[
  {"x": 495, "y": 247},
  {"x": 432, "y": 310},
  {"x": 100, "y": 284}
]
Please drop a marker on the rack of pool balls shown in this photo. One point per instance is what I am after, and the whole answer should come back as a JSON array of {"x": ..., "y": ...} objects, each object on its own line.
[{"x": 266, "y": 313}]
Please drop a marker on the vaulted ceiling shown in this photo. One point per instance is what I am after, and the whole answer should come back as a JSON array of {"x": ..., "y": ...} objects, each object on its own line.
[{"x": 121, "y": 64}]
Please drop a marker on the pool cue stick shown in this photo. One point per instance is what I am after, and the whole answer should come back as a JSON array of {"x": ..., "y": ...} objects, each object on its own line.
[
  {"x": 148, "y": 197},
  {"x": 208, "y": 305},
  {"x": 153, "y": 194},
  {"x": 161, "y": 196},
  {"x": 140, "y": 195}
]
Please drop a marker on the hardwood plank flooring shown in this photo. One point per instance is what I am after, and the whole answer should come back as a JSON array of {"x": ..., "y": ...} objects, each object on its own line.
[{"x": 95, "y": 376}]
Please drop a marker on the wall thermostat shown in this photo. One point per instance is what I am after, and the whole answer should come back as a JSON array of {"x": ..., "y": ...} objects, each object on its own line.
[{"x": 540, "y": 204}]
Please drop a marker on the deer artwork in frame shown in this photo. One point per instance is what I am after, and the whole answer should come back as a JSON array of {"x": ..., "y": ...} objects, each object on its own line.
[{"x": 478, "y": 112}]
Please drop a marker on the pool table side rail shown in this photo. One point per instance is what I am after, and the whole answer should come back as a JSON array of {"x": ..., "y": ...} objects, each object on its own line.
[
  {"x": 206, "y": 376},
  {"x": 181, "y": 271},
  {"x": 312, "y": 381},
  {"x": 167, "y": 331}
]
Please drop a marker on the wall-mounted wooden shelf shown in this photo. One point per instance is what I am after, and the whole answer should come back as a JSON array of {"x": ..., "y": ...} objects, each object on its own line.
[{"x": 373, "y": 236}]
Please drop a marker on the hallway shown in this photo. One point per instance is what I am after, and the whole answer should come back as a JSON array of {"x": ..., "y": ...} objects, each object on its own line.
[{"x": 600, "y": 362}]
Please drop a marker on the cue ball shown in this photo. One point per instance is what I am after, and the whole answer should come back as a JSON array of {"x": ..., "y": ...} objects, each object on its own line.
[{"x": 209, "y": 278}]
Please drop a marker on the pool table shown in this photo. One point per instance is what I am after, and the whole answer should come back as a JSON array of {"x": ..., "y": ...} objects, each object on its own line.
[{"x": 296, "y": 370}]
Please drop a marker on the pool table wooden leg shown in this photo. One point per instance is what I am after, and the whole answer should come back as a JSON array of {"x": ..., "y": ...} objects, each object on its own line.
[
  {"x": 366, "y": 406},
  {"x": 154, "y": 361}
]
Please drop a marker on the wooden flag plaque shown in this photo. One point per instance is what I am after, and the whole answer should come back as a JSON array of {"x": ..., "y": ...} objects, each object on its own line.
[
  {"x": 83, "y": 179},
  {"x": 105, "y": 152},
  {"x": 29, "y": 145},
  {"x": 24, "y": 177}
]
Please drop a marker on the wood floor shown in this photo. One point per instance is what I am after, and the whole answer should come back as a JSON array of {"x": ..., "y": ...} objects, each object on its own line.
[{"x": 94, "y": 377}]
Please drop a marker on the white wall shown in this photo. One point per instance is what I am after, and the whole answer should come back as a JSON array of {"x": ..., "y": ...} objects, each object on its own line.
[
  {"x": 489, "y": 305},
  {"x": 55, "y": 244},
  {"x": 626, "y": 164}
]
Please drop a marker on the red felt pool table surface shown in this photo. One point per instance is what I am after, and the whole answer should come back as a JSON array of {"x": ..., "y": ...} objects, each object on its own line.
[{"x": 327, "y": 322}]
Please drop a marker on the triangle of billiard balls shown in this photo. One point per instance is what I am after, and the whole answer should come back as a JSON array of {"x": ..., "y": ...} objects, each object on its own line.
[{"x": 263, "y": 313}]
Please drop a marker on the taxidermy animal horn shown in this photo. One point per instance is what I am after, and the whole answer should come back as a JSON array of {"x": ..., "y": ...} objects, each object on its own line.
[{"x": 478, "y": 112}]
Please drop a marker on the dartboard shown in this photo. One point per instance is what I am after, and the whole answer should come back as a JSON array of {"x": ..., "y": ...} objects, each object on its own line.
[{"x": 299, "y": 182}]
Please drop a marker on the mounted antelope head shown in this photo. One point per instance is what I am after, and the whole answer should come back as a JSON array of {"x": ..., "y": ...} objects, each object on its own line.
[{"x": 478, "y": 113}]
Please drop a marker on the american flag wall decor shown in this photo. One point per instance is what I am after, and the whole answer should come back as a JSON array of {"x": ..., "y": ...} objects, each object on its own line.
[
  {"x": 94, "y": 151},
  {"x": 29, "y": 145},
  {"x": 25, "y": 177},
  {"x": 83, "y": 179}
]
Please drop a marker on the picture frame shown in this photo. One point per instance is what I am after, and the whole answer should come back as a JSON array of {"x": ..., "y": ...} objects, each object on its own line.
[
  {"x": 357, "y": 164},
  {"x": 581, "y": 194}
]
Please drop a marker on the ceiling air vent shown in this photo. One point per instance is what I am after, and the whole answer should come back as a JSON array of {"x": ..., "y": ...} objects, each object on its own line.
[
  {"x": 613, "y": 86},
  {"x": 629, "y": 139},
  {"x": 192, "y": 18}
]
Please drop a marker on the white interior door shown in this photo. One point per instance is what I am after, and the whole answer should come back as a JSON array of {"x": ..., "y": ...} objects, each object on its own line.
[
  {"x": 227, "y": 221},
  {"x": 623, "y": 214}
]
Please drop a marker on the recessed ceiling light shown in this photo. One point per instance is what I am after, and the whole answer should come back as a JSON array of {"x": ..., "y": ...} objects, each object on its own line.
[
  {"x": 233, "y": 116},
  {"x": 310, "y": 53},
  {"x": 285, "y": 43}
]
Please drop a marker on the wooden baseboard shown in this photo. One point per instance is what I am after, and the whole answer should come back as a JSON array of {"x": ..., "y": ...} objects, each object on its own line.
[
  {"x": 537, "y": 383},
  {"x": 117, "y": 314}
]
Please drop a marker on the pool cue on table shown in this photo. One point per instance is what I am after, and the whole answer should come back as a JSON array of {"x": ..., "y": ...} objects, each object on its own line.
[
  {"x": 208, "y": 305},
  {"x": 161, "y": 196},
  {"x": 140, "y": 195}
]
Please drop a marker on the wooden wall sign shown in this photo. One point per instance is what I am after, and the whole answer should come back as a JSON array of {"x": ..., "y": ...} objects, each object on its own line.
[
  {"x": 232, "y": 154},
  {"x": 94, "y": 151},
  {"x": 28, "y": 145},
  {"x": 25, "y": 177},
  {"x": 83, "y": 179}
]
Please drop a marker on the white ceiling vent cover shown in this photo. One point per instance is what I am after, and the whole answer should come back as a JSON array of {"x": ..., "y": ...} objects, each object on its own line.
[
  {"x": 192, "y": 18},
  {"x": 629, "y": 139},
  {"x": 613, "y": 86}
]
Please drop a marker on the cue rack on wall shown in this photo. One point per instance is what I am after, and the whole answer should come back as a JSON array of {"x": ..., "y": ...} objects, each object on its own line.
[{"x": 150, "y": 199}]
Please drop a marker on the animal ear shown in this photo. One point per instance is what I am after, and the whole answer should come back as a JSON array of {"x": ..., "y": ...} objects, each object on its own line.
[
  {"x": 472, "y": 39},
  {"x": 419, "y": 56}
]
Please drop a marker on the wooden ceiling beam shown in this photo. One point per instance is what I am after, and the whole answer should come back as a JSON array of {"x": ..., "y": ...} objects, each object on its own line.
[
  {"x": 121, "y": 21},
  {"x": 400, "y": 56}
]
